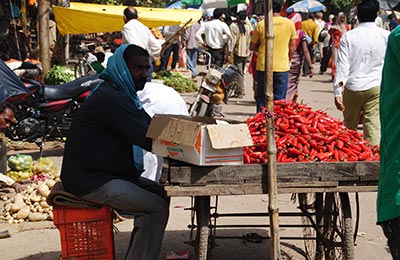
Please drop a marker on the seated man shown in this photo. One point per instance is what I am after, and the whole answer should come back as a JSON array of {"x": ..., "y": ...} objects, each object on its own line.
[{"x": 98, "y": 163}]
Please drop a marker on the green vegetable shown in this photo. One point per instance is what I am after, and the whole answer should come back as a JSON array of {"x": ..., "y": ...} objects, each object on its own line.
[
  {"x": 176, "y": 81},
  {"x": 58, "y": 75},
  {"x": 20, "y": 162}
]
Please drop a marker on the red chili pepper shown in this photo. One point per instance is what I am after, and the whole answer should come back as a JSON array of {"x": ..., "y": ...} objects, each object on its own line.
[
  {"x": 283, "y": 140},
  {"x": 288, "y": 111},
  {"x": 246, "y": 158},
  {"x": 351, "y": 159},
  {"x": 312, "y": 129},
  {"x": 330, "y": 148},
  {"x": 291, "y": 131},
  {"x": 288, "y": 160},
  {"x": 354, "y": 147},
  {"x": 284, "y": 126},
  {"x": 294, "y": 151},
  {"x": 348, "y": 151},
  {"x": 254, "y": 160},
  {"x": 303, "y": 129},
  {"x": 363, "y": 156},
  {"x": 319, "y": 137},
  {"x": 321, "y": 128},
  {"x": 264, "y": 160},
  {"x": 314, "y": 144},
  {"x": 339, "y": 144},
  {"x": 305, "y": 149},
  {"x": 302, "y": 140},
  {"x": 313, "y": 153},
  {"x": 336, "y": 155},
  {"x": 324, "y": 156}
]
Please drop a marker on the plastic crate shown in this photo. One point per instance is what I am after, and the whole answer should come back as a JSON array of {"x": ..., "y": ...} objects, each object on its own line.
[{"x": 85, "y": 233}]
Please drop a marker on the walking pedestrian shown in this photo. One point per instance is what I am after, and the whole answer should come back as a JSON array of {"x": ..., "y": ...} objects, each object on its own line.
[
  {"x": 170, "y": 35},
  {"x": 310, "y": 27},
  {"x": 216, "y": 36},
  {"x": 300, "y": 55},
  {"x": 134, "y": 32},
  {"x": 191, "y": 45},
  {"x": 284, "y": 47},
  {"x": 240, "y": 45},
  {"x": 339, "y": 27},
  {"x": 359, "y": 71}
]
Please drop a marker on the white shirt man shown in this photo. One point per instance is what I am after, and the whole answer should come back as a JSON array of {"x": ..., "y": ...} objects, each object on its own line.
[
  {"x": 358, "y": 76},
  {"x": 217, "y": 34},
  {"x": 134, "y": 32},
  {"x": 158, "y": 98},
  {"x": 360, "y": 58},
  {"x": 214, "y": 32}
]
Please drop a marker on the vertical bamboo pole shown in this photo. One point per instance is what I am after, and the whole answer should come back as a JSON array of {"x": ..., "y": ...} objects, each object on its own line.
[
  {"x": 23, "y": 17},
  {"x": 271, "y": 148},
  {"x": 43, "y": 9}
]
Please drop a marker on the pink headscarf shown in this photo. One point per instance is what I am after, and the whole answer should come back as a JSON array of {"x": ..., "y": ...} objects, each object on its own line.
[{"x": 296, "y": 19}]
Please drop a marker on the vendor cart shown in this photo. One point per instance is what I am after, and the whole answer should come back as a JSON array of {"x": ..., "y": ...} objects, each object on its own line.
[{"x": 322, "y": 191}]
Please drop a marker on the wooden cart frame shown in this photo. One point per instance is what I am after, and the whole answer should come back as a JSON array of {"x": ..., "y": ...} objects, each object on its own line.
[{"x": 322, "y": 191}]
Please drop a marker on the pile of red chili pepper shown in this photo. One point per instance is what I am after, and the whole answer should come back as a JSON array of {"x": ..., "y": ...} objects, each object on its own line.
[{"x": 304, "y": 135}]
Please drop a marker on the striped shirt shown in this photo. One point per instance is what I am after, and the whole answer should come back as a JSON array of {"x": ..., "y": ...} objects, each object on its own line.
[{"x": 240, "y": 43}]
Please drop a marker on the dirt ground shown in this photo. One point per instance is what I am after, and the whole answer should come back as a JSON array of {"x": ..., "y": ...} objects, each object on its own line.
[{"x": 41, "y": 240}]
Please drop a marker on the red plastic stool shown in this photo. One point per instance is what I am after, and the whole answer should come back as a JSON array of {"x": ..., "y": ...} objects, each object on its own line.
[{"x": 85, "y": 233}]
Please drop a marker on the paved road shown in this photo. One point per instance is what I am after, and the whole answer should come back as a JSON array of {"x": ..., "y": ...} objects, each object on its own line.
[{"x": 41, "y": 241}]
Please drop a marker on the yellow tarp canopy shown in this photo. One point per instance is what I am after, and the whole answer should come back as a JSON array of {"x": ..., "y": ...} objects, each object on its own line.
[{"x": 81, "y": 18}]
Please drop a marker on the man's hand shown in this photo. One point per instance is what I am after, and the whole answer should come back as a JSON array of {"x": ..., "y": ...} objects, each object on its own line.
[
  {"x": 311, "y": 73},
  {"x": 230, "y": 58},
  {"x": 339, "y": 103}
]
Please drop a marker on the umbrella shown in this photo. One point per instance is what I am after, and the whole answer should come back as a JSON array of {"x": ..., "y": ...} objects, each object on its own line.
[
  {"x": 175, "y": 5},
  {"x": 10, "y": 85},
  {"x": 306, "y": 6},
  {"x": 221, "y": 3},
  {"x": 388, "y": 5}
]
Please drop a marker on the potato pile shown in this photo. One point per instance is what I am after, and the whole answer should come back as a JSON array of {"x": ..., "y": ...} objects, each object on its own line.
[{"x": 29, "y": 205}]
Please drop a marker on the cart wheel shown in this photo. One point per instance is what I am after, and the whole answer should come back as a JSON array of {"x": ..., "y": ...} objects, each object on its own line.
[
  {"x": 202, "y": 205},
  {"x": 338, "y": 227},
  {"x": 311, "y": 204}
]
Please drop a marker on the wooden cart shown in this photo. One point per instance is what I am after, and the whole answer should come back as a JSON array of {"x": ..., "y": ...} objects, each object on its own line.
[{"x": 322, "y": 190}]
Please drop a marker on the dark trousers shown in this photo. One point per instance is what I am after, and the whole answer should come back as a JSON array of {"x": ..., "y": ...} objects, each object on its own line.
[
  {"x": 326, "y": 52},
  {"x": 240, "y": 62},
  {"x": 391, "y": 229},
  {"x": 280, "y": 83},
  {"x": 306, "y": 67},
  {"x": 174, "y": 49},
  {"x": 217, "y": 56}
]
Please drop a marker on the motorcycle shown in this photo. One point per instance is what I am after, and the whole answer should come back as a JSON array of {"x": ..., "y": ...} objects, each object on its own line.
[
  {"x": 44, "y": 112},
  {"x": 215, "y": 89}
]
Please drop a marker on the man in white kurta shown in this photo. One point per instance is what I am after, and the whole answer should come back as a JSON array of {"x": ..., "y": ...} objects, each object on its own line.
[{"x": 158, "y": 98}]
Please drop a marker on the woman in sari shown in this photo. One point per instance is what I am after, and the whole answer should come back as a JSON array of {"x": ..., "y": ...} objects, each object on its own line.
[
  {"x": 336, "y": 30},
  {"x": 298, "y": 58}
]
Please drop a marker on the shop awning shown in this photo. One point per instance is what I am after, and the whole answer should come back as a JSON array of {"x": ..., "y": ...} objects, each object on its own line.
[{"x": 81, "y": 18}]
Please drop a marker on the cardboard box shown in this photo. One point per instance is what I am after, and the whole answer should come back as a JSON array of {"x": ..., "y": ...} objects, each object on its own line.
[{"x": 199, "y": 140}]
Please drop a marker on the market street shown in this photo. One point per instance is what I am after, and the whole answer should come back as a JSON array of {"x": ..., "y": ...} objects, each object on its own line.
[{"x": 41, "y": 240}]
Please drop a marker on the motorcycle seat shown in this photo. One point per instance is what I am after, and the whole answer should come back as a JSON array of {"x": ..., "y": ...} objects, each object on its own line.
[{"x": 71, "y": 89}]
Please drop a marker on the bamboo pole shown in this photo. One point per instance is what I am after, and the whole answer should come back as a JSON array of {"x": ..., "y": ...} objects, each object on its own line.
[
  {"x": 271, "y": 147},
  {"x": 43, "y": 9},
  {"x": 23, "y": 18}
]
